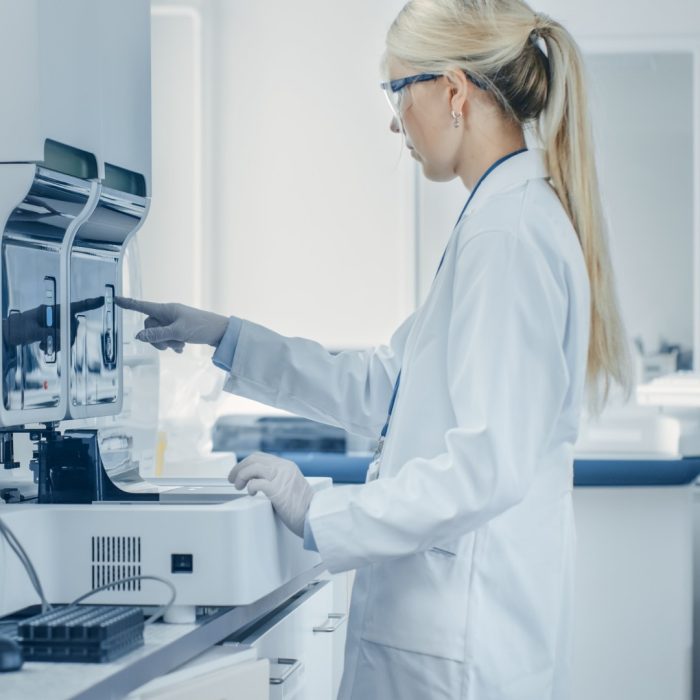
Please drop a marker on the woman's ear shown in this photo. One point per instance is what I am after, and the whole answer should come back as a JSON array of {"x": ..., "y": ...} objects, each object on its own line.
[{"x": 459, "y": 91}]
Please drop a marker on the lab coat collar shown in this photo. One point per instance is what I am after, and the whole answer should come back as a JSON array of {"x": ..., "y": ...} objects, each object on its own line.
[{"x": 528, "y": 165}]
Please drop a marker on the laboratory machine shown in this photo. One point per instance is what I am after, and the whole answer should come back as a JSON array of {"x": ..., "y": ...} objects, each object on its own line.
[{"x": 75, "y": 187}]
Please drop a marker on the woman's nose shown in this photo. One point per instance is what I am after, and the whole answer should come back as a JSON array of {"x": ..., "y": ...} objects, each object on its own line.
[{"x": 395, "y": 126}]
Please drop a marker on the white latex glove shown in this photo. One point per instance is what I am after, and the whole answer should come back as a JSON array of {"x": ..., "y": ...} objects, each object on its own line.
[
  {"x": 173, "y": 325},
  {"x": 281, "y": 481}
]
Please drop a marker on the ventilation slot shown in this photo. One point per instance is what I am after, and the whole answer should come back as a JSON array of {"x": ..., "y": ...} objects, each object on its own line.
[{"x": 115, "y": 558}]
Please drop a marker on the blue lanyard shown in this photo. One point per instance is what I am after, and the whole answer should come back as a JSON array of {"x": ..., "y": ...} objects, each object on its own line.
[
  {"x": 491, "y": 168},
  {"x": 484, "y": 176}
]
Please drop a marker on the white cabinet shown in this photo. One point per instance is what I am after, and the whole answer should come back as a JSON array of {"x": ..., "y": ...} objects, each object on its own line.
[
  {"x": 342, "y": 589},
  {"x": 293, "y": 649},
  {"x": 634, "y": 593},
  {"x": 218, "y": 674},
  {"x": 299, "y": 640}
]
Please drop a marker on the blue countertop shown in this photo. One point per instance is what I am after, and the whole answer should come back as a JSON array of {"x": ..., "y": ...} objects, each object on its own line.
[
  {"x": 636, "y": 472},
  {"x": 351, "y": 469}
]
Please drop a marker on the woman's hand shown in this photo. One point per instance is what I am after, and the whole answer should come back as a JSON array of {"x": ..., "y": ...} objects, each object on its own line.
[
  {"x": 173, "y": 325},
  {"x": 281, "y": 481}
]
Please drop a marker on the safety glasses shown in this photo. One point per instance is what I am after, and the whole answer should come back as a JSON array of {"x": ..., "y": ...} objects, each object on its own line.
[{"x": 395, "y": 93}]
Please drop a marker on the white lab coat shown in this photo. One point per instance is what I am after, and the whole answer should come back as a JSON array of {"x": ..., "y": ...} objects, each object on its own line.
[{"x": 464, "y": 545}]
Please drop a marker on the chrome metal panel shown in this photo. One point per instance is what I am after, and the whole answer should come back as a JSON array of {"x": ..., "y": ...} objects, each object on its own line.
[
  {"x": 95, "y": 280},
  {"x": 32, "y": 243}
]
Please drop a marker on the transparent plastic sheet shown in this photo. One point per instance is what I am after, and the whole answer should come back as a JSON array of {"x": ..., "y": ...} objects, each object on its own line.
[
  {"x": 169, "y": 400},
  {"x": 190, "y": 387}
]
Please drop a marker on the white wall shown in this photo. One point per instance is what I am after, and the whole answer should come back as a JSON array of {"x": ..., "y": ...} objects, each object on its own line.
[
  {"x": 171, "y": 240},
  {"x": 310, "y": 237},
  {"x": 278, "y": 193},
  {"x": 643, "y": 111},
  {"x": 679, "y": 18}
]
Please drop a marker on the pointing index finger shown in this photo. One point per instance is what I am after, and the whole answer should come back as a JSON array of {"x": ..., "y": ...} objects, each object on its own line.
[{"x": 149, "y": 308}]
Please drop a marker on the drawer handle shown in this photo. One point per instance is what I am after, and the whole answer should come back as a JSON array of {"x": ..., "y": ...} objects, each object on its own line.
[
  {"x": 331, "y": 625},
  {"x": 293, "y": 666}
]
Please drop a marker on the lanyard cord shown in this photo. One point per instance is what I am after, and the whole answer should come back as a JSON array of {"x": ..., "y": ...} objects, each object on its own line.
[
  {"x": 491, "y": 168},
  {"x": 385, "y": 429}
]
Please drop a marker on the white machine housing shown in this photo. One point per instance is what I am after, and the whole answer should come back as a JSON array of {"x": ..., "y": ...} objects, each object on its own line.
[
  {"x": 240, "y": 551},
  {"x": 75, "y": 181}
]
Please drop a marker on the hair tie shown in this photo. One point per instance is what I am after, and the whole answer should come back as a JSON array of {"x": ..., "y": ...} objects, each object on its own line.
[
  {"x": 541, "y": 23},
  {"x": 542, "y": 26}
]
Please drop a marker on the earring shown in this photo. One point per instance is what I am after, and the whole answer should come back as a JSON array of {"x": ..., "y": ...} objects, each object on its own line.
[{"x": 456, "y": 118}]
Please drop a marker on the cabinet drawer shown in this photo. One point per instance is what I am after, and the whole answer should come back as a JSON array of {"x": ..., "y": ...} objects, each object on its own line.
[
  {"x": 215, "y": 675},
  {"x": 298, "y": 638}
]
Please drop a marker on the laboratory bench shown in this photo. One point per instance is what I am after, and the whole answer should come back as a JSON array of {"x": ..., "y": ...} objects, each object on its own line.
[
  {"x": 290, "y": 640},
  {"x": 634, "y": 606}
]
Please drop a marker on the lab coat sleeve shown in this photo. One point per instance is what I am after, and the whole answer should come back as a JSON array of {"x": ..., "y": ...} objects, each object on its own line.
[
  {"x": 507, "y": 381},
  {"x": 350, "y": 389},
  {"x": 226, "y": 350}
]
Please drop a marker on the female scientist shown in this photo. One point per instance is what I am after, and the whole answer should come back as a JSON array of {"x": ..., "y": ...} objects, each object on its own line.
[{"x": 463, "y": 535}]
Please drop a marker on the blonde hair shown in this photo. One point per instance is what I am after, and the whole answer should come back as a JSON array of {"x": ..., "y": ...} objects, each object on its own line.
[{"x": 497, "y": 44}]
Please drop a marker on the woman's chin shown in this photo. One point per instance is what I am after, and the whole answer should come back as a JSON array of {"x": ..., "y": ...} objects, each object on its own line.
[
  {"x": 429, "y": 172},
  {"x": 436, "y": 175}
]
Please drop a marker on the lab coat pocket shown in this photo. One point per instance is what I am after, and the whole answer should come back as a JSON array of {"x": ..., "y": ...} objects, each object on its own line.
[{"x": 419, "y": 603}]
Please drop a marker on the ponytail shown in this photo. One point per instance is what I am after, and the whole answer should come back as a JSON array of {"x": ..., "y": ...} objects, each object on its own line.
[
  {"x": 498, "y": 42},
  {"x": 566, "y": 133}
]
